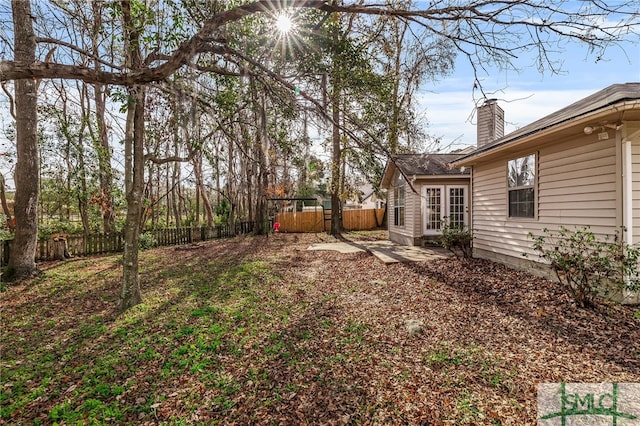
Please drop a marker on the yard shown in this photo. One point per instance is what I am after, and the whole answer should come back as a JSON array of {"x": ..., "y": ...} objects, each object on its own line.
[{"x": 259, "y": 330}]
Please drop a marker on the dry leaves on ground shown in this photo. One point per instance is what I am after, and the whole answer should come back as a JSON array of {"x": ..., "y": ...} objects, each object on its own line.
[{"x": 261, "y": 331}]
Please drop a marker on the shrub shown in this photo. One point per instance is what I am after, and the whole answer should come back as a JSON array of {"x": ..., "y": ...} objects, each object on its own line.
[
  {"x": 457, "y": 240},
  {"x": 586, "y": 266},
  {"x": 147, "y": 241},
  {"x": 48, "y": 228},
  {"x": 5, "y": 233}
]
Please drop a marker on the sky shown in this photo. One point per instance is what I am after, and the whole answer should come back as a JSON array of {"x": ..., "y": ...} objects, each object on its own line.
[{"x": 449, "y": 105}]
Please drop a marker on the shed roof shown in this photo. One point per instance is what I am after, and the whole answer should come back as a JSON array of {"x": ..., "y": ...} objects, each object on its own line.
[{"x": 599, "y": 101}]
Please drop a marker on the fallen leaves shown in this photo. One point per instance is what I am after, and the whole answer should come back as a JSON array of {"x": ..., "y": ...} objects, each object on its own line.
[{"x": 262, "y": 331}]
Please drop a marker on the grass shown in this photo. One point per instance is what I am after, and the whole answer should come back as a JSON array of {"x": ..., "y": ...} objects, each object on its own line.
[
  {"x": 243, "y": 333},
  {"x": 183, "y": 328},
  {"x": 490, "y": 369}
]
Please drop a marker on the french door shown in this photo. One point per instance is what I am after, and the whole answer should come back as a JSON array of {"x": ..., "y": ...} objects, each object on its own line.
[{"x": 443, "y": 202}]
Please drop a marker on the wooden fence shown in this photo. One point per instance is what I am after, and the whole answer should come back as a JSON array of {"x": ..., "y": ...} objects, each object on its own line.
[
  {"x": 319, "y": 221},
  {"x": 78, "y": 245}
]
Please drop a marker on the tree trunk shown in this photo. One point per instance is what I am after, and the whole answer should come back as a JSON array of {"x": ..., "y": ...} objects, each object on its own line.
[
  {"x": 83, "y": 194},
  {"x": 175, "y": 196},
  {"x": 83, "y": 207},
  {"x": 196, "y": 213},
  {"x": 134, "y": 170},
  {"x": 202, "y": 190},
  {"x": 336, "y": 159},
  {"x": 105, "y": 173},
  {"x": 231, "y": 220},
  {"x": 130, "y": 292},
  {"x": 167, "y": 198},
  {"x": 27, "y": 176},
  {"x": 60, "y": 247},
  {"x": 262, "y": 147},
  {"x": 104, "y": 162}
]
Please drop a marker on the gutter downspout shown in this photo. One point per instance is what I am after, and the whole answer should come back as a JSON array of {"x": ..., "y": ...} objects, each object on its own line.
[
  {"x": 627, "y": 191},
  {"x": 627, "y": 205},
  {"x": 470, "y": 214}
]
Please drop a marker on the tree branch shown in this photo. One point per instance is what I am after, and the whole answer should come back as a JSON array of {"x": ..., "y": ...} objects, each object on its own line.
[{"x": 464, "y": 24}]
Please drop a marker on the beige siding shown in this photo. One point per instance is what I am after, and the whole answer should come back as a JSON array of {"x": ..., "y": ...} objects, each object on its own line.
[
  {"x": 576, "y": 185},
  {"x": 633, "y": 134},
  {"x": 412, "y": 211}
]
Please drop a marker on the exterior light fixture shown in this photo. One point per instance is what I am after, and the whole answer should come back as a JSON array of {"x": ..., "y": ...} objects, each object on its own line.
[{"x": 602, "y": 127}]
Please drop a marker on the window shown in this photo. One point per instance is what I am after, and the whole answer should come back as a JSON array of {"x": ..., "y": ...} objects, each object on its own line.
[
  {"x": 521, "y": 186},
  {"x": 443, "y": 204},
  {"x": 433, "y": 208},
  {"x": 398, "y": 206}
]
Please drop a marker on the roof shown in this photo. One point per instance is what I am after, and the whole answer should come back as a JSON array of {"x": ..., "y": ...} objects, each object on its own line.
[
  {"x": 600, "y": 101},
  {"x": 422, "y": 165},
  {"x": 365, "y": 191}
]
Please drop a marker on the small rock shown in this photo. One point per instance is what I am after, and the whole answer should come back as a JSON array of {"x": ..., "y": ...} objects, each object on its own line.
[{"x": 414, "y": 326}]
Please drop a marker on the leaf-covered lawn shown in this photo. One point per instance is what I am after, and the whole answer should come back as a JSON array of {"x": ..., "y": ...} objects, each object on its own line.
[{"x": 262, "y": 331}]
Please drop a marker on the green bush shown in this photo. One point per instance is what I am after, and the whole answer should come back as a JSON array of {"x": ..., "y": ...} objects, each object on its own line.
[
  {"x": 5, "y": 233},
  {"x": 147, "y": 241},
  {"x": 586, "y": 266},
  {"x": 457, "y": 240},
  {"x": 48, "y": 228}
]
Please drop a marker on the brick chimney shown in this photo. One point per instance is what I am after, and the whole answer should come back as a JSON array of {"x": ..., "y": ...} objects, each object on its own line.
[{"x": 490, "y": 122}]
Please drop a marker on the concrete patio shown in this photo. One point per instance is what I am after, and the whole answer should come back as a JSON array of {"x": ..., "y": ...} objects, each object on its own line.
[{"x": 385, "y": 250}]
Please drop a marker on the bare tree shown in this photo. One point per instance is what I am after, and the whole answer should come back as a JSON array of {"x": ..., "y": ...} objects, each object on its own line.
[
  {"x": 134, "y": 165},
  {"x": 22, "y": 258},
  {"x": 101, "y": 140},
  {"x": 487, "y": 32}
]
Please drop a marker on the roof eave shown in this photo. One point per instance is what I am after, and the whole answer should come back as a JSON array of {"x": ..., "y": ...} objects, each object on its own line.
[
  {"x": 583, "y": 119},
  {"x": 434, "y": 177}
]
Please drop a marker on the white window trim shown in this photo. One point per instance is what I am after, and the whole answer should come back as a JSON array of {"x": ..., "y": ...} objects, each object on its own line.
[
  {"x": 399, "y": 187},
  {"x": 534, "y": 186},
  {"x": 443, "y": 208}
]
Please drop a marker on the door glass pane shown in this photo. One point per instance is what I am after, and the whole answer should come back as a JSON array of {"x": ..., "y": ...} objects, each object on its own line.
[
  {"x": 433, "y": 211},
  {"x": 456, "y": 207}
]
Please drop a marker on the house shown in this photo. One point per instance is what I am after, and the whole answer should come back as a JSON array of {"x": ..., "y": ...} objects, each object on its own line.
[
  {"x": 579, "y": 166},
  {"x": 423, "y": 189},
  {"x": 364, "y": 197}
]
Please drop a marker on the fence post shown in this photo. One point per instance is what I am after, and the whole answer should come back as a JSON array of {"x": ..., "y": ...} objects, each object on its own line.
[{"x": 44, "y": 249}]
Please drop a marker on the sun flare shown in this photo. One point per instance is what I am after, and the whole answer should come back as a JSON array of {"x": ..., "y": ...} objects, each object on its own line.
[{"x": 284, "y": 23}]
